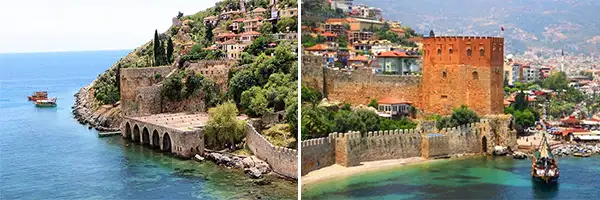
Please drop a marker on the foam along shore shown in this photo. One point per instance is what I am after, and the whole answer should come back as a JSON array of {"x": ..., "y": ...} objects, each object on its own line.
[{"x": 337, "y": 171}]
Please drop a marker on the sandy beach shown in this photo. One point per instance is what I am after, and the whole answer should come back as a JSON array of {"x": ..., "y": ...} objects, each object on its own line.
[{"x": 338, "y": 171}]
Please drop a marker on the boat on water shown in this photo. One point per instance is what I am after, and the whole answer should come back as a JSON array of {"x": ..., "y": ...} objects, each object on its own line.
[
  {"x": 39, "y": 95},
  {"x": 582, "y": 154},
  {"x": 46, "y": 102},
  {"x": 544, "y": 165}
]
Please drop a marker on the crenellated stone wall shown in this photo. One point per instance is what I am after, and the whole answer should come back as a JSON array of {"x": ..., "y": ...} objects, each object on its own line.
[
  {"x": 352, "y": 148},
  {"x": 318, "y": 153},
  {"x": 282, "y": 160}
]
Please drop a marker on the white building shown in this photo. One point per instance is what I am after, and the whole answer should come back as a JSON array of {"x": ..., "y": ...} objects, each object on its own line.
[{"x": 345, "y": 5}]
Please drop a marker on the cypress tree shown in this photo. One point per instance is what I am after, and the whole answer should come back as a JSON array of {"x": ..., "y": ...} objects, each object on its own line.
[
  {"x": 156, "y": 49},
  {"x": 118, "y": 79},
  {"x": 431, "y": 34},
  {"x": 169, "y": 50}
]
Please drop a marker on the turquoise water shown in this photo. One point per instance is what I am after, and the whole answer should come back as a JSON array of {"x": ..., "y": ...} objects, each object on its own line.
[
  {"x": 46, "y": 154},
  {"x": 465, "y": 178}
]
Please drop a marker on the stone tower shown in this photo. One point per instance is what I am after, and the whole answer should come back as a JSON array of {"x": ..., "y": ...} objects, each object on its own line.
[
  {"x": 463, "y": 70},
  {"x": 243, "y": 5}
]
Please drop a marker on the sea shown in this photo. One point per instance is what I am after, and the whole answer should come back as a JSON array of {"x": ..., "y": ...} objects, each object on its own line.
[
  {"x": 480, "y": 177},
  {"x": 46, "y": 154}
]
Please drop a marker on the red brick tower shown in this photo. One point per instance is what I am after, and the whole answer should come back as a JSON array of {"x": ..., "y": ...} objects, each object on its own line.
[{"x": 463, "y": 70}]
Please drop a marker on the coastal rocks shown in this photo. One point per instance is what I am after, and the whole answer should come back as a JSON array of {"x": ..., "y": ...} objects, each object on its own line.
[
  {"x": 519, "y": 155},
  {"x": 500, "y": 150},
  {"x": 570, "y": 149},
  {"x": 251, "y": 165},
  {"x": 253, "y": 173},
  {"x": 104, "y": 118},
  {"x": 198, "y": 158}
]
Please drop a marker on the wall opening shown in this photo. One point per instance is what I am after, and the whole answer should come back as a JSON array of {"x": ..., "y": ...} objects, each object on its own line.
[
  {"x": 469, "y": 52},
  {"x": 439, "y": 52},
  {"x": 484, "y": 144},
  {"x": 136, "y": 133},
  {"x": 450, "y": 51},
  {"x": 155, "y": 139},
  {"x": 127, "y": 131},
  {"x": 444, "y": 75},
  {"x": 475, "y": 75},
  {"x": 145, "y": 136},
  {"x": 166, "y": 144},
  {"x": 481, "y": 52}
]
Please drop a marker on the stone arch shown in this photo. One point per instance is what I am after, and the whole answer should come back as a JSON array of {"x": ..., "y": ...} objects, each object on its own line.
[
  {"x": 127, "y": 131},
  {"x": 450, "y": 51},
  {"x": 136, "y": 133},
  {"x": 166, "y": 143},
  {"x": 469, "y": 52},
  {"x": 481, "y": 51},
  {"x": 484, "y": 144},
  {"x": 475, "y": 75},
  {"x": 145, "y": 136},
  {"x": 439, "y": 52},
  {"x": 155, "y": 142},
  {"x": 444, "y": 74}
]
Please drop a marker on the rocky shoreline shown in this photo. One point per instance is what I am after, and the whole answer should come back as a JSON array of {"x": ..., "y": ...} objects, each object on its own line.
[
  {"x": 254, "y": 167},
  {"x": 84, "y": 113}
]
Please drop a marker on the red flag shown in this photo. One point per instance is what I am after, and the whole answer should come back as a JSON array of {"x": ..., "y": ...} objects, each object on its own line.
[{"x": 502, "y": 28}]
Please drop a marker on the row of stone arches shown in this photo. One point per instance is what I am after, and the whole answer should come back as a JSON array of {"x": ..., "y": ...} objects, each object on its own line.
[{"x": 154, "y": 140}]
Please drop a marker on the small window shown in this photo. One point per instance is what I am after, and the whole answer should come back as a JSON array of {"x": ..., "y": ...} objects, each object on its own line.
[
  {"x": 475, "y": 75},
  {"x": 444, "y": 74},
  {"x": 439, "y": 52},
  {"x": 469, "y": 52},
  {"x": 481, "y": 52},
  {"x": 450, "y": 51},
  {"x": 444, "y": 96}
]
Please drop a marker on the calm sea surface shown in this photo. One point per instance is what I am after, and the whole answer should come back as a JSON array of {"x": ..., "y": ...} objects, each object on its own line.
[
  {"x": 465, "y": 178},
  {"x": 46, "y": 154}
]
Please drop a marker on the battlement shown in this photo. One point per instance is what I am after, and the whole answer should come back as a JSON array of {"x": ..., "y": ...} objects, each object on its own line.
[
  {"x": 450, "y": 38},
  {"x": 144, "y": 72},
  {"x": 283, "y": 160}
]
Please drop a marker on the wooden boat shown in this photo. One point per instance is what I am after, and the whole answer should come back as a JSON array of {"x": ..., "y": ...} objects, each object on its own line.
[
  {"x": 39, "y": 95},
  {"x": 46, "y": 102},
  {"x": 544, "y": 165},
  {"x": 582, "y": 154}
]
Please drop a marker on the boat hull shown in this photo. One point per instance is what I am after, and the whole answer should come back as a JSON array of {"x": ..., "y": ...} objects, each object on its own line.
[
  {"x": 45, "y": 105},
  {"x": 36, "y": 98},
  {"x": 545, "y": 179}
]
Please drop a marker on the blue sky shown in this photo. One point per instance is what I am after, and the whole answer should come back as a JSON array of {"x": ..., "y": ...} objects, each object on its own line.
[{"x": 75, "y": 25}]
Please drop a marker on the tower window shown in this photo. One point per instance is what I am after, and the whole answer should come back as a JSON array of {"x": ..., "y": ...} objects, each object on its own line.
[
  {"x": 444, "y": 74},
  {"x": 469, "y": 52},
  {"x": 481, "y": 52},
  {"x": 475, "y": 75},
  {"x": 439, "y": 52},
  {"x": 450, "y": 51}
]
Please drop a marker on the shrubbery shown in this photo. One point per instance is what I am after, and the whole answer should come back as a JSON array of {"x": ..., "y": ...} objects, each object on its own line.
[
  {"x": 174, "y": 88},
  {"x": 223, "y": 129}
]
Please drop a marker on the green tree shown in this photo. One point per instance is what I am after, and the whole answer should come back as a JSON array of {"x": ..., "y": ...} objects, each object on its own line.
[
  {"x": 240, "y": 82},
  {"x": 370, "y": 120},
  {"x": 523, "y": 119},
  {"x": 223, "y": 129},
  {"x": 315, "y": 122},
  {"x": 521, "y": 102},
  {"x": 259, "y": 45},
  {"x": 157, "y": 50},
  {"x": 373, "y": 103},
  {"x": 291, "y": 114},
  {"x": 345, "y": 121},
  {"x": 284, "y": 24},
  {"x": 255, "y": 102},
  {"x": 266, "y": 28},
  {"x": 172, "y": 86},
  {"x": 463, "y": 115},
  {"x": 169, "y": 50},
  {"x": 310, "y": 95}
]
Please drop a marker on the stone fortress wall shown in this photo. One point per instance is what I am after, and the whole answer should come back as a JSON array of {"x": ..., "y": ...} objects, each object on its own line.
[
  {"x": 283, "y": 161},
  {"x": 216, "y": 70},
  {"x": 457, "y": 71},
  {"x": 138, "y": 96},
  {"x": 352, "y": 148}
]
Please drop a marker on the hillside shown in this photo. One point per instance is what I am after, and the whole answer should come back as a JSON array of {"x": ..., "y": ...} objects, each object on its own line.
[
  {"x": 257, "y": 52},
  {"x": 528, "y": 24}
]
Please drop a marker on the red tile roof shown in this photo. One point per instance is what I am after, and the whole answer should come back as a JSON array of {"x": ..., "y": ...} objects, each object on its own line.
[
  {"x": 251, "y": 33},
  {"x": 395, "y": 54},
  {"x": 239, "y": 20},
  {"x": 222, "y": 35},
  {"x": 359, "y": 58},
  {"x": 329, "y": 34},
  {"x": 318, "y": 47},
  {"x": 393, "y": 100},
  {"x": 335, "y": 20}
]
